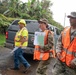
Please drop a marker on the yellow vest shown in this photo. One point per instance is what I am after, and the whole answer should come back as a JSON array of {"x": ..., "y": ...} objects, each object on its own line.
[{"x": 21, "y": 33}]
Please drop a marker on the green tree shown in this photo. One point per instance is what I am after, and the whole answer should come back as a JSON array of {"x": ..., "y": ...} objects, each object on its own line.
[
  {"x": 3, "y": 6},
  {"x": 33, "y": 9},
  {"x": 13, "y": 7}
]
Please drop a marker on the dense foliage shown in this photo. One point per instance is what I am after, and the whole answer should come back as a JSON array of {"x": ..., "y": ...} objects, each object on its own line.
[
  {"x": 4, "y": 23},
  {"x": 33, "y": 9}
]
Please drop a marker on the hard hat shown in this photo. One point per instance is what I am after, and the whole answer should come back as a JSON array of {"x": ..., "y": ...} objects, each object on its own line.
[{"x": 22, "y": 21}]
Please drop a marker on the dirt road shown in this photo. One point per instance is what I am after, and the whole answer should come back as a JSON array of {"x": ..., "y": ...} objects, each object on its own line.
[{"x": 6, "y": 61}]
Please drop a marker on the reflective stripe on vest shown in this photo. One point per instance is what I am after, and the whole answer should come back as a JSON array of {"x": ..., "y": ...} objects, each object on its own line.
[
  {"x": 41, "y": 53},
  {"x": 36, "y": 48},
  {"x": 69, "y": 52}
]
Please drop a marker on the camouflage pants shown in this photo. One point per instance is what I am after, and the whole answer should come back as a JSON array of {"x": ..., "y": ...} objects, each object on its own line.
[
  {"x": 42, "y": 67},
  {"x": 61, "y": 69}
]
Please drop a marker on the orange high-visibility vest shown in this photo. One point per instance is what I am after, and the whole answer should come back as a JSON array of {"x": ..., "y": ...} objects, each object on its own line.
[
  {"x": 69, "y": 48},
  {"x": 38, "y": 55}
]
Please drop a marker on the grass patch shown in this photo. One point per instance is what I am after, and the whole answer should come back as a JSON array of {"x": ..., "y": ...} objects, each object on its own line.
[{"x": 2, "y": 39}]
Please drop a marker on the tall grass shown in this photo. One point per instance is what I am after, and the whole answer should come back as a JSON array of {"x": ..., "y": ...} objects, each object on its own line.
[{"x": 2, "y": 39}]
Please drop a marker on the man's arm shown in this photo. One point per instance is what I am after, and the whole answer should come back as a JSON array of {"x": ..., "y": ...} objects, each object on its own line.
[
  {"x": 59, "y": 44},
  {"x": 24, "y": 37}
]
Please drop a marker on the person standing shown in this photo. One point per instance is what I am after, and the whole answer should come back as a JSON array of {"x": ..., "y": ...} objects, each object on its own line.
[
  {"x": 66, "y": 49},
  {"x": 42, "y": 53},
  {"x": 21, "y": 42}
]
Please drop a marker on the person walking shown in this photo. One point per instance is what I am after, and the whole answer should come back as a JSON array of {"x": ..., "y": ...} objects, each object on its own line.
[
  {"x": 66, "y": 49},
  {"x": 21, "y": 42},
  {"x": 42, "y": 53}
]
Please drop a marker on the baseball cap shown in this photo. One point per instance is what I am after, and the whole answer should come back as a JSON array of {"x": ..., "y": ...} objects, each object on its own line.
[
  {"x": 43, "y": 20},
  {"x": 72, "y": 15}
]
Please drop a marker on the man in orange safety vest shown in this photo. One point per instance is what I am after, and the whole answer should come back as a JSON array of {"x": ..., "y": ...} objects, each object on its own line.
[{"x": 66, "y": 49}]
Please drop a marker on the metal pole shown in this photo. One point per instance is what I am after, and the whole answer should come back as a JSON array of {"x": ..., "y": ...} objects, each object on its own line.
[{"x": 64, "y": 19}]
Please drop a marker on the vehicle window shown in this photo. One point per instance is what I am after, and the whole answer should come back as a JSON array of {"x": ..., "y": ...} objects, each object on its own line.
[
  {"x": 32, "y": 27},
  {"x": 15, "y": 22},
  {"x": 57, "y": 31},
  {"x": 30, "y": 21},
  {"x": 51, "y": 28},
  {"x": 27, "y": 22}
]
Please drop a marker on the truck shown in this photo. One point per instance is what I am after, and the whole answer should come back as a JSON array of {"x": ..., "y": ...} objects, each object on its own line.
[{"x": 32, "y": 26}]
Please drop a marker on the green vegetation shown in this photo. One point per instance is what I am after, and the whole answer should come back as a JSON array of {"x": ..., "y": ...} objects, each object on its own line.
[
  {"x": 33, "y": 9},
  {"x": 4, "y": 23},
  {"x": 2, "y": 39}
]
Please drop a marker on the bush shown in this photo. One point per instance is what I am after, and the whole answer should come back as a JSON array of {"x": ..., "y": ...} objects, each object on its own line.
[{"x": 2, "y": 39}]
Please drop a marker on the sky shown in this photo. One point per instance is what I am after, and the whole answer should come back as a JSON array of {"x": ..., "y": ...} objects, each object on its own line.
[{"x": 60, "y": 9}]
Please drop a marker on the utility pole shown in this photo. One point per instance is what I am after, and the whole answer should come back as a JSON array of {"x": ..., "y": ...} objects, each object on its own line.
[{"x": 64, "y": 18}]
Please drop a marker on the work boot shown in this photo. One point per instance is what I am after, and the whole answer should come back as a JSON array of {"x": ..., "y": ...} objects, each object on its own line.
[
  {"x": 26, "y": 70},
  {"x": 14, "y": 68}
]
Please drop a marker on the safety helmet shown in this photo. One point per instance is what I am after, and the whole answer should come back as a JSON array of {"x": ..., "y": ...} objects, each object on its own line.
[{"x": 22, "y": 21}]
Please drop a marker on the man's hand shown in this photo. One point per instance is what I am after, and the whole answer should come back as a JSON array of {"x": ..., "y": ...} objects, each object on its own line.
[
  {"x": 58, "y": 54},
  {"x": 73, "y": 63},
  {"x": 41, "y": 50},
  {"x": 20, "y": 46}
]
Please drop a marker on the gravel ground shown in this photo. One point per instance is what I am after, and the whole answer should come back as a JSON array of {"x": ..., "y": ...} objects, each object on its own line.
[{"x": 5, "y": 57}]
